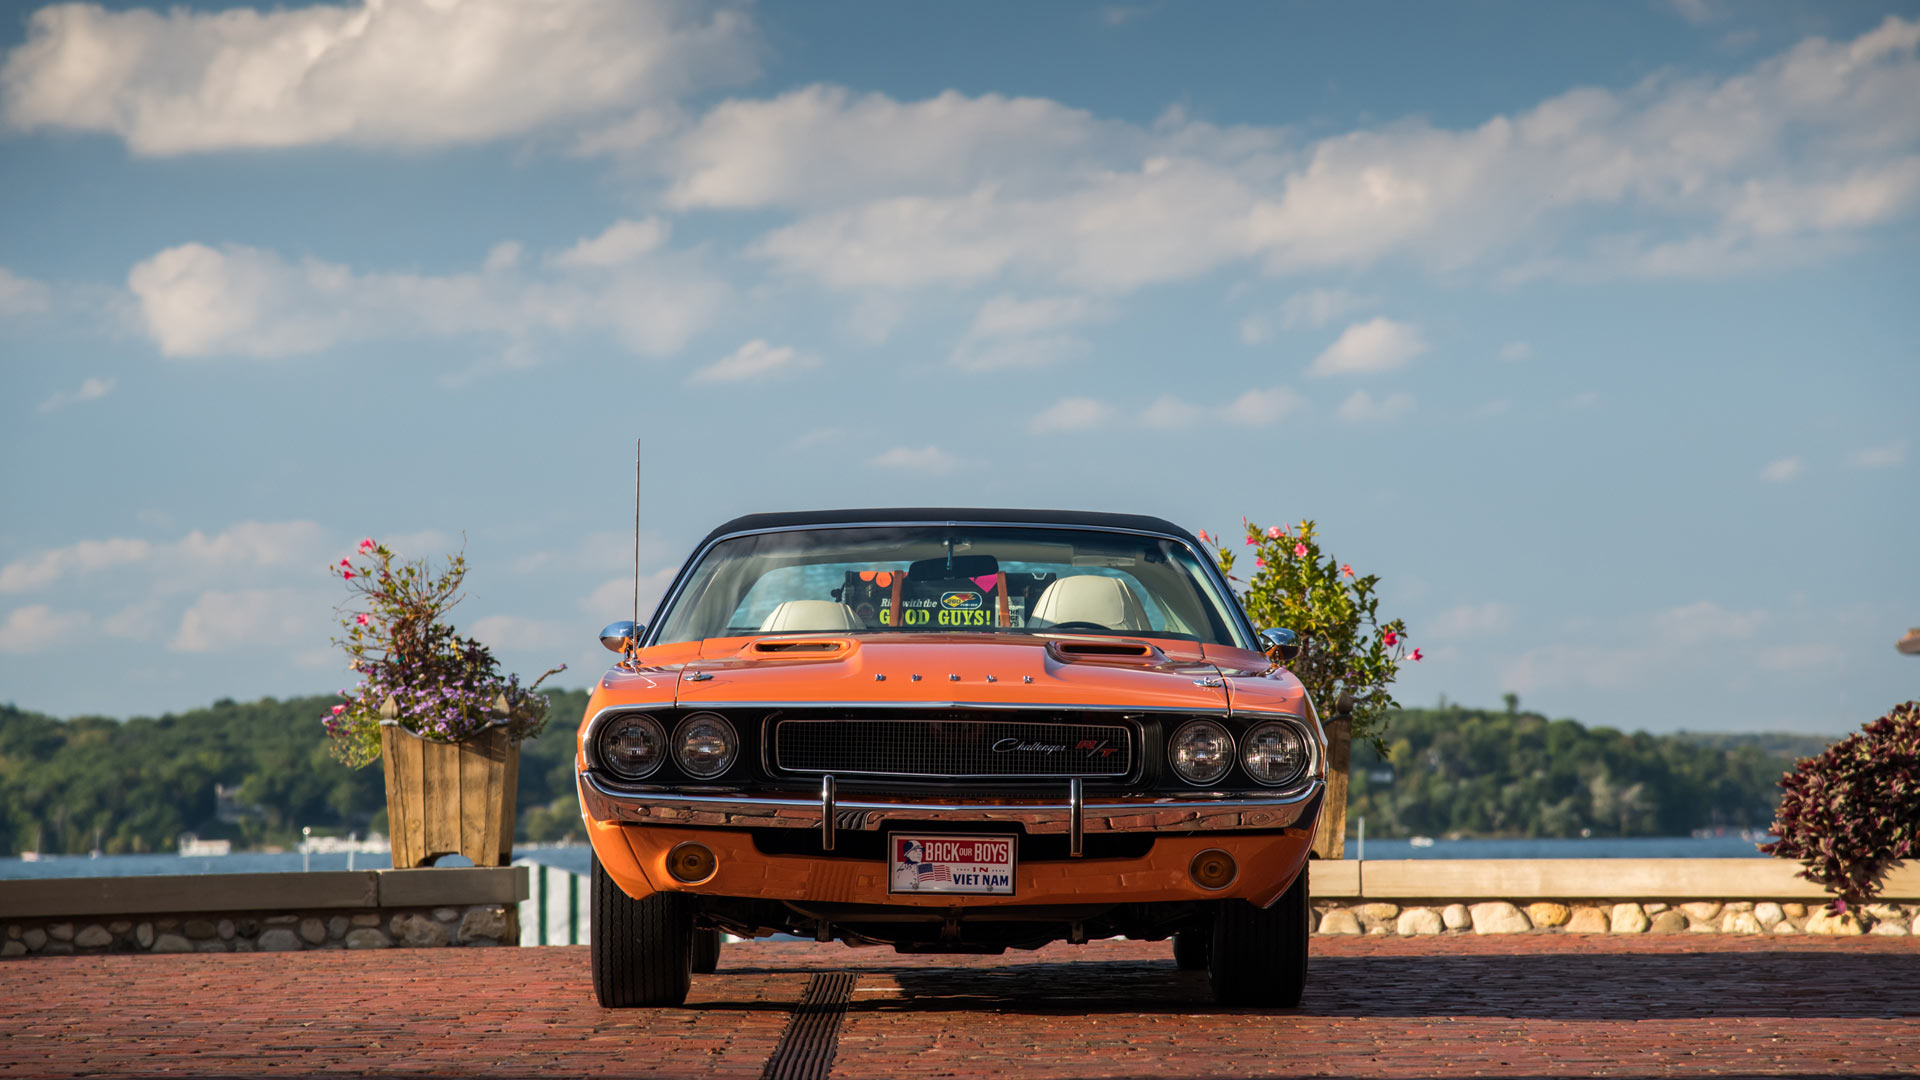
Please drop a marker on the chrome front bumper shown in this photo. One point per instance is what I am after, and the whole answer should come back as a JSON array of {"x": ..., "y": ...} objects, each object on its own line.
[{"x": 1075, "y": 815}]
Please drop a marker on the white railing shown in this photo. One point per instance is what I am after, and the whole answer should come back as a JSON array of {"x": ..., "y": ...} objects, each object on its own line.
[{"x": 555, "y": 910}]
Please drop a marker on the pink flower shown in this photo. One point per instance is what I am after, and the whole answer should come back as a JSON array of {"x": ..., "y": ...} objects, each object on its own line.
[
  {"x": 1251, "y": 541},
  {"x": 1275, "y": 533},
  {"x": 1259, "y": 562},
  {"x": 1204, "y": 538},
  {"x": 346, "y": 575},
  {"x": 1390, "y": 638},
  {"x": 346, "y": 562},
  {"x": 367, "y": 544},
  {"x": 338, "y": 709},
  {"x": 1299, "y": 551},
  {"x": 361, "y": 619},
  {"x": 1347, "y": 569},
  {"x": 1416, "y": 656}
]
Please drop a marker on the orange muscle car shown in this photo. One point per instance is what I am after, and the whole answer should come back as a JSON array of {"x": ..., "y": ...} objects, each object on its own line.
[{"x": 950, "y": 731}]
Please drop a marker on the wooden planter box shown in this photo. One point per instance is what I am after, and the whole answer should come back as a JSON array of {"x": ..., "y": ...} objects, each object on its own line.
[{"x": 450, "y": 798}]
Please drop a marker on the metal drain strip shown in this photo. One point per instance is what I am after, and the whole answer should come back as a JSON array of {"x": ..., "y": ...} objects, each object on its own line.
[{"x": 807, "y": 1047}]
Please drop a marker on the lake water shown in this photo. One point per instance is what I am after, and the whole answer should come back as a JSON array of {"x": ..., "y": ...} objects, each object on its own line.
[{"x": 1731, "y": 846}]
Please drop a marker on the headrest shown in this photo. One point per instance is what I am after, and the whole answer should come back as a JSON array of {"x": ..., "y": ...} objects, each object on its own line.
[
  {"x": 810, "y": 616},
  {"x": 1094, "y": 598}
]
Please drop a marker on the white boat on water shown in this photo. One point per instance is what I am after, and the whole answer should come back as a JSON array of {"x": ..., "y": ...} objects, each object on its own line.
[
  {"x": 1421, "y": 841},
  {"x": 191, "y": 845},
  {"x": 375, "y": 844},
  {"x": 29, "y": 856}
]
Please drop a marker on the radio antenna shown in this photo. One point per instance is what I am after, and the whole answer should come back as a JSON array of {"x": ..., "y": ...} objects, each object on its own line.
[{"x": 633, "y": 642}]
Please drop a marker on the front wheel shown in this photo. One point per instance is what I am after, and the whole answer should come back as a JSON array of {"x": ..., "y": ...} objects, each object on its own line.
[
  {"x": 642, "y": 949},
  {"x": 1260, "y": 955}
]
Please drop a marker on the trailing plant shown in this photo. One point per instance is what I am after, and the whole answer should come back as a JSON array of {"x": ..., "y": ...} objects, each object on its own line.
[
  {"x": 1853, "y": 813},
  {"x": 415, "y": 671},
  {"x": 1348, "y": 657}
]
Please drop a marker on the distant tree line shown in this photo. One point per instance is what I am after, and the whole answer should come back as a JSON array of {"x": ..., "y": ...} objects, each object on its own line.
[
  {"x": 258, "y": 772},
  {"x": 1474, "y": 772}
]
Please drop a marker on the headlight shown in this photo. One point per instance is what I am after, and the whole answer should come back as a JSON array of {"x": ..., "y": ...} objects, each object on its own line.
[
  {"x": 1274, "y": 753},
  {"x": 1201, "y": 751},
  {"x": 632, "y": 746},
  {"x": 705, "y": 745}
]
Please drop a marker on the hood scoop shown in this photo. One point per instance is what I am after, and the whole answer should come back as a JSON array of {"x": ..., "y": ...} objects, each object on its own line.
[
  {"x": 807, "y": 649},
  {"x": 1132, "y": 653}
]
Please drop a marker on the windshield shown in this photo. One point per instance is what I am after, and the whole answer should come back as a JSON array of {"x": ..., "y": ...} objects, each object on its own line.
[{"x": 941, "y": 578}]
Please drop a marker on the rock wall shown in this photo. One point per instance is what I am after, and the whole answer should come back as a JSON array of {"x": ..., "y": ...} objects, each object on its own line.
[
  {"x": 265, "y": 931},
  {"x": 1610, "y": 917}
]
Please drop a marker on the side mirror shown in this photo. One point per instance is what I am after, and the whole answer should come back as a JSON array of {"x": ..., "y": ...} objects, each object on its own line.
[
  {"x": 621, "y": 636},
  {"x": 1280, "y": 643}
]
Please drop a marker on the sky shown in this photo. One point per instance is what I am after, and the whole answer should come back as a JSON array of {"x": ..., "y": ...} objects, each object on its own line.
[{"x": 1591, "y": 328}]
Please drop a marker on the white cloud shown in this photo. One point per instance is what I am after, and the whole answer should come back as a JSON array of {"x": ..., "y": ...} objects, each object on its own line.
[
  {"x": 1000, "y": 354},
  {"x": 82, "y": 557},
  {"x": 620, "y": 244},
  {"x": 1469, "y": 620},
  {"x": 1361, "y": 407},
  {"x": 1805, "y": 658},
  {"x": 1631, "y": 651},
  {"x": 1318, "y": 307},
  {"x": 754, "y": 360},
  {"x": 819, "y": 436},
  {"x": 504, "y": 632},
  {"x": 1514, "y": 352},
  {"x": 1379, "y": 344},
  {"x": 247, "y": 544},
  {"x": 249, "y": 619},
  {"x": 199, "y": 301},
  {"x": 92, "y": 389},
  {"x": 21, "y": 295},
  {"x": 1706, "y": 175},
  {"x": 1879, "y": 457},
  {"x": 918, "y": 459},
  {"x": 1073, "y": 414},
  {"x": 37, "y": 628},
  {"x": 1783, "y": 470},
  {"x": 824, "y": 145},
  {"x": 1260, "y": 407},
  {"x": 1168, "y": 413},
  {"x": 612, "y": 599},
  {"x": 1006, "y": 315},
  {"x": 398, "y": 73}
]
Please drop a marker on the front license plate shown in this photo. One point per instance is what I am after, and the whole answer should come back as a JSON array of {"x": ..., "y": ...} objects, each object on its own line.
[{"x": 936, "y": 863}]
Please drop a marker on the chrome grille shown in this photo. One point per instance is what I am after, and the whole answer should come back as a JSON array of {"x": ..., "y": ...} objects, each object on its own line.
[{"x": 955, "y": 749}]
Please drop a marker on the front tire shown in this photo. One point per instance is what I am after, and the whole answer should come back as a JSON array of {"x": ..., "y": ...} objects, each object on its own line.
[
  {"x": 1260, "y": 955},
  {"x": 642, "y": 949}
]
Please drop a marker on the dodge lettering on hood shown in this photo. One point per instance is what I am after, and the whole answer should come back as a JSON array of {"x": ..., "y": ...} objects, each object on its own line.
[{"x": 950, "y": 731}]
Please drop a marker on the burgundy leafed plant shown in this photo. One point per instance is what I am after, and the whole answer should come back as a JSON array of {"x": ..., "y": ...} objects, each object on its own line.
[{"x": 1853, "y": 813}]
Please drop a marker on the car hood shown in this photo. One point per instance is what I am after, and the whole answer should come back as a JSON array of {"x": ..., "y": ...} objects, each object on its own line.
[{"x": 934, "y": 669}]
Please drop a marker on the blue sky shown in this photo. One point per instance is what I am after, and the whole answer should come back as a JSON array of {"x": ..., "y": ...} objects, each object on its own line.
[{"x": 1591, "y": 328}]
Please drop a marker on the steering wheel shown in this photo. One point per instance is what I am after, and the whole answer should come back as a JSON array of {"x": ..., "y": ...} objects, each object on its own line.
[{"x": 1081, "y": 624}]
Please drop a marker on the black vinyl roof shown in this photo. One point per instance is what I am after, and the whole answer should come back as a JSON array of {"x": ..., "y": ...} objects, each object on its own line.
[{"x": 932, "y": 514}]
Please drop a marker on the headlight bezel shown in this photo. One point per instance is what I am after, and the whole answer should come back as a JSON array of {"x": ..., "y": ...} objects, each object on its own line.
[
  {"x": 1247, "y": 744},
  {"x": 1229, "y": 758},
  {"x": 614, "y": 724},
  {"x": 677, "y": 745}
]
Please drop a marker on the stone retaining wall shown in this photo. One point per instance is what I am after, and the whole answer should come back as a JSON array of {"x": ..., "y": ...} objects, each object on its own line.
[
  {"x": 1587, "y": 916},
  {"x": 260, "y": 931},
  {"x": 370, "y": 909}
]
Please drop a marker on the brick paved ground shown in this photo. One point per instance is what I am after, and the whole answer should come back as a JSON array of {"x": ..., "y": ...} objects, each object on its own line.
[{"x": 1523, "y": 1006}]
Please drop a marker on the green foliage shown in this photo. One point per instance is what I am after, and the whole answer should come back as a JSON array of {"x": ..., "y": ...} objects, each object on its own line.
[
  {"x": 1853, "y": 813},
  {"x": 414, "y": 670},
  {"x": 1348, "y": 657},
  {"x": 143, "y": 782},
  {"x": 1484, "y": 773}
]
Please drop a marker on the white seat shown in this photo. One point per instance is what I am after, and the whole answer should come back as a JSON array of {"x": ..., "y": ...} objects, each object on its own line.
[
  {"x": 1107, "y": 601},
  {"x": 810, "y": 616}
]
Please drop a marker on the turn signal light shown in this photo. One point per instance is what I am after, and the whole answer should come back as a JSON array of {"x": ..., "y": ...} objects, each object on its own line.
[
  {"x": 691, "y": 863},
  {"x": 1213, "y": 869}
]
